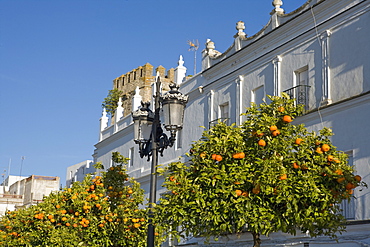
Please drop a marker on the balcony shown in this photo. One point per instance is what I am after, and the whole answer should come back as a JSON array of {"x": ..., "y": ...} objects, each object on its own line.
[{"x": 300, "y": 94}]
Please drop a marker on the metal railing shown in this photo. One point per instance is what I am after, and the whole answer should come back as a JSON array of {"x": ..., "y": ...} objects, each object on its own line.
[
  {"x": 216, "y": 121},
  {"x": 300, "y": 94}
]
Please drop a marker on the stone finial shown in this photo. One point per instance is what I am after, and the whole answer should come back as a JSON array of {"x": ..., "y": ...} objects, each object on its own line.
[
  {"x": 181, "y": 61},
  {"x": 136, "y": 100},
  {"x": 104, "y": 120},
  {"x": 119, "y": 110},
  {"x": 180, "y": 71},
  {"x": 210, "y": 47},
  {"x": 240, "y": 27},
  {"x": 103, "y": 123},
  {"x": 277, "y": 4}
]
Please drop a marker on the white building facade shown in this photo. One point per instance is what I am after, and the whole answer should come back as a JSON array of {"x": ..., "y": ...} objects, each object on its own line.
[
  {"x": 23, "y": 192},
  {"x": 319, "y": 54},
  {"x": 78, "y": 172}
]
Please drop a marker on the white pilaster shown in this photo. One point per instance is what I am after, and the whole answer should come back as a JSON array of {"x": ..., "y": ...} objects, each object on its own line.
[
  {"x": 277, "y": 74},
  {"x": 239, "y": 99},
  {"x": 325, "y": 57},
  {"x": 211, "y": 106}
]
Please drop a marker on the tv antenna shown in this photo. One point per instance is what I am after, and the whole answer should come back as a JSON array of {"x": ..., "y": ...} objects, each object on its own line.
[{"x": 194, "y": 45}]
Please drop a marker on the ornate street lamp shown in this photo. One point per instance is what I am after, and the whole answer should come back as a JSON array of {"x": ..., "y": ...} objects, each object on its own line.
[{"x": 151, "y": 138}]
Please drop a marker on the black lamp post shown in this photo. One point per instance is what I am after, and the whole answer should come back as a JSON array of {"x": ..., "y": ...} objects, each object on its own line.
[{"x": 152, "y": 140}]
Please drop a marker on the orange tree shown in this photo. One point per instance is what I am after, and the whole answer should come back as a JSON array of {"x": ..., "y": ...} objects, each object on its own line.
[
  {"x": 264, "y": 176},
  {"x": 100, "y": 211}
]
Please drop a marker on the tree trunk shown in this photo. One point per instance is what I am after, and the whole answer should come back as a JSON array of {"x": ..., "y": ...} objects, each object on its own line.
[{"x": 256, "y": 239}]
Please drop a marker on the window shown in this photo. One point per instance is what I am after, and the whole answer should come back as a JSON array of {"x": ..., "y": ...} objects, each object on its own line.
[
  {"x": 301, "y": 76},
  {"x": 224, "y": 111},
  {"x": 131, "y": 157},
  {"x": 300, "y": 89},
  {"x": 223, "y": 115},
  {"x": 258, "y": 95}
]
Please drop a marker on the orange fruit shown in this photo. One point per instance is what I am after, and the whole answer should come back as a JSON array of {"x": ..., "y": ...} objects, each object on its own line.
[
  {"x": 245, "y": 193},
  {"x": 340, "y": 180},
  {"x": 339, "y": 172},
  {"x": 256, "y": 190},
  {"x": 350, "y": 186},
  {"x": 238, "y": 192},
  {"x": 325, "y": 147},
  {"x": 318, "y": 150},
  {"x": 281, "y": 108},
  {"x": 287, "y": 119},
  {"x": 358, "y": 178},
  {"x": 295, "y": 165},
  {"x": 273, "y": 127},
  {"x": 350, "y": 192},
  {"x": 283, "y": 177},
  {"x": 57, "y": 206},
  {"x": 330, "y": 158},
  {"x": 214, "y": 156},
  {"x": 262, "y": 143},
  {"x": 202, "y": 155},
  {"x": 276, "y": 133},
  {"x": 218, "y": 157},
  {"x": 304, "y": 167},
  {"x": 68, "y": 224},
  {"x": 172, "y": 179},
  {"x": 239, "y": 155},
  {"x": 298, "y": 141}
]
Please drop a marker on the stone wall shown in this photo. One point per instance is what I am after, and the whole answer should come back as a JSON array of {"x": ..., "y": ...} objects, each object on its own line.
[{"x": 142, "y": 77}]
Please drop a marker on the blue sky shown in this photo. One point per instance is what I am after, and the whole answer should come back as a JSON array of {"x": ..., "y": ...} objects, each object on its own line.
[{"x": 58, "y": 59}]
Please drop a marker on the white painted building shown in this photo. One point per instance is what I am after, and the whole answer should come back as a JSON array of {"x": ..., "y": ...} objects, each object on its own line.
[
  {"x": 78, "y": 172},
  {"x": 21, "y": 192},
  {"x": 319, "y": 54}
]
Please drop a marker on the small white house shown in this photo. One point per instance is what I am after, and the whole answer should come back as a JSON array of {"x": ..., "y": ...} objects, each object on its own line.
[{"x": 78, "y": 172}]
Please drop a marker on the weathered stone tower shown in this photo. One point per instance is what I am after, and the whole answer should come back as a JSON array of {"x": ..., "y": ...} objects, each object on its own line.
[{"x": 142, "y": 77}]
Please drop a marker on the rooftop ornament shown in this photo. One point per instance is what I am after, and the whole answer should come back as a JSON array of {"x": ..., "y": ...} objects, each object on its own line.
[{"x": 277, "y": 4}]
